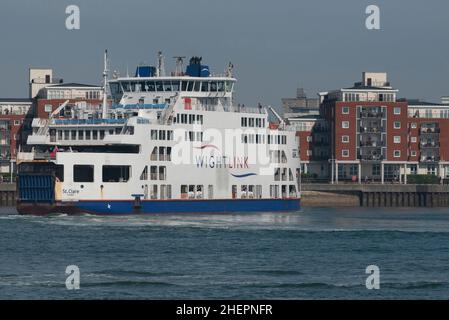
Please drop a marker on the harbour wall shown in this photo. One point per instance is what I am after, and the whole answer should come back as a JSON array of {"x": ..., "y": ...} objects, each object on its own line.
[
  {"x": 375, "y": 195},
  {"x": 8, "y": 194},
  {"x": 338, "y": 195}
]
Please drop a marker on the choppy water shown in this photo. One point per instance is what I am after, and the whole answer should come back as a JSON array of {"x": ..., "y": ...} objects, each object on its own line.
[{"x": 315, "y": 253}]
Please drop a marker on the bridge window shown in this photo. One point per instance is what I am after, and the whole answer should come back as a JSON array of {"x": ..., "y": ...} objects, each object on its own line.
[
  {"x": 116, "y": 173},
  {"x": 213, "y": 86},
  {"x": 228, "y": 86},
  {"x": 167, "y": 86},
  {"x": 175, "y": 85},
  {"x": 125, "y": 86},
  {"x": 205, "y": 86},
  {"x": 151, "y": 86},
  {"x": 197, "y": 86},
  {"x": 83, "y": 173}
]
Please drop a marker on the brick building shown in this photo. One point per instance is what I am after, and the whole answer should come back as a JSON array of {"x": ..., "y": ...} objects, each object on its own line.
[
  {"x": 374, "y": 137},
  {"x": 15, "y": 126},
  {"x": 313, "y": 133},
  {"x": 51, "y": 97},
  {"x": 46, "y": 94}
]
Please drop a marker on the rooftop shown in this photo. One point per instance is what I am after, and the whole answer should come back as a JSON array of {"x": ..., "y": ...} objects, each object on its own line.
[
  {"x": 73, "y": 85},
  {"x": 417, "y": 102},
  {"x": 362, "y": 87}
]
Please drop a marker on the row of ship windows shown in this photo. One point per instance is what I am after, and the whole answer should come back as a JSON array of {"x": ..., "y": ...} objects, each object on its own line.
[
  {"x": 281, "y": 174},
  {"x": 253, "y": 122},
  {"x": 169, "y": 86},
  {"x": 168, "y": 135},
  {"x": 192, "y": 191},
  {"x": 116, "y": 173},
  {"x": 260, "y": 139},
  {"x": 81, "y": 134},
  {"x": 183, "y": 118}
]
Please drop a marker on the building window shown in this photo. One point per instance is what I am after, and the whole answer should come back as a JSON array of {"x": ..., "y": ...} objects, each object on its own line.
[
  {"x": 431, "y": 170},
  {"x": 414, "y": 125},
  {"x": 345, "y": 153},
  {"x": 414, "y": 139},
  {"x": 397, "y": 110},
  {"x": 48, "y": 108},
  {"x": 345, "y": 110},
  {"x": 345, "y": 124},
  {"x": 309, "y": 138},
  {"x": 345, "y": 139},
  {"x": 376, "y": 170},
  {"x": 413, "y": 153},
  {"x": 397, "y": 139},
  {"x": 397, "y": 153},
  {"x": 397, "y": 125},
  {"x": 353, "y": 170}
]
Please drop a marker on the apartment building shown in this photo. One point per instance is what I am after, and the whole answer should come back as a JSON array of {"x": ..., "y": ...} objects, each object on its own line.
[{"x": 372, "y": 136}]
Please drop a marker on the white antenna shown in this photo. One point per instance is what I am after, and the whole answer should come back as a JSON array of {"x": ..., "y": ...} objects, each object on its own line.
[
  {"x": 179, "y": 65},
  {"x": 105, "y": 83},
  {"x": 229, "y": 70},
  {"x": 160, "y": 64}
]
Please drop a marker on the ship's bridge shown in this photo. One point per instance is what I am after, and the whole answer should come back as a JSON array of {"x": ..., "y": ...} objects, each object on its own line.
[
  {"x": 157, "y": 90},
  {"x": 150, "y": 85}
]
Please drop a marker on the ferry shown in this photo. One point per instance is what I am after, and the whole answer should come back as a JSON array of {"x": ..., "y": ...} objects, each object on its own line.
[{"x": 160, "y": 144}]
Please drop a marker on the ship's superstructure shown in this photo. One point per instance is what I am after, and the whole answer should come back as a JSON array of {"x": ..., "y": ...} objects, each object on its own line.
[{"x": 162, "y": 143}]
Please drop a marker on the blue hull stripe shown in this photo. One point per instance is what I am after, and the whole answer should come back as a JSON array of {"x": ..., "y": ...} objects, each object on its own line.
[{"x": 189, "y": 206}]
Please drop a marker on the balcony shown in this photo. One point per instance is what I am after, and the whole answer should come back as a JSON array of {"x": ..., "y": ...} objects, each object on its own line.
[
  {"x": 371, "y": 157},
  {"x": 371, "y": 130},
  {"x": 428, "y": 159},
  {"x": 429, "y": 128},
  {"x": 430, "y": 145},
  {"x": 319, "y": 129},
  {"x": 370, "y": 114},
  {"x": 321, "y": 144},
  {"x": 371, "y": 144}
]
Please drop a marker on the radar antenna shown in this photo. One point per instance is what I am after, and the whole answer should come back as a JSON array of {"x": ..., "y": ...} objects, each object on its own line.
[{"x": 229, "y": 70}]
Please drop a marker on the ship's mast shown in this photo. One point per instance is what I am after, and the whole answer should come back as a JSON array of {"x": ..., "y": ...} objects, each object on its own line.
[
  {"x": 160, "y": 65},
  {"x": 105, "y": 83}
]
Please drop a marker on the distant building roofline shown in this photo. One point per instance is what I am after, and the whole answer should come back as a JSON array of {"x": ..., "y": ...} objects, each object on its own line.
[
  {"x": 73, "y": 85},
  {"x": 17, "y": 100}
]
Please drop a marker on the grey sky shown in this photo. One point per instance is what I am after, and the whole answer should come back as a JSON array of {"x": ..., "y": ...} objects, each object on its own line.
[{"x": 275, "y": 46}]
